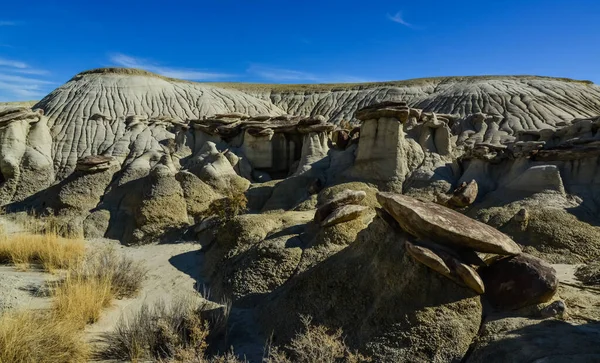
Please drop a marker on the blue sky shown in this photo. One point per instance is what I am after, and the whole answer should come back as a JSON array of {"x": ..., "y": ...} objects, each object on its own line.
[{"x": 44, "y": 43}]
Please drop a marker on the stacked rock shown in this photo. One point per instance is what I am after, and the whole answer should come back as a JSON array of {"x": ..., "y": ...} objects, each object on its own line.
[
  {"x": 94, "y": 163},
  {"x": 343, "y": 207},
  {"x": 471, "y": 253}
]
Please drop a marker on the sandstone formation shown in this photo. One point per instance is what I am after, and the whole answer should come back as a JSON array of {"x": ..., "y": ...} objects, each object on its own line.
[{"x": 332, "y": 200}]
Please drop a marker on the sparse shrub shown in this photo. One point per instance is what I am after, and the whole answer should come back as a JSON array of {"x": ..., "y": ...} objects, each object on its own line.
[
  {"x": 315, "y": 344},
  {"x": 48, "y": 250},
  {"x": 589, "y": 274},
  {"x": 91, "y": 285},
  {"x": 33, "y": 336},
  {"x": 226, "y": 208},
  {"x": 159, "y": 332},
  {"x": 126, "y": 276}
]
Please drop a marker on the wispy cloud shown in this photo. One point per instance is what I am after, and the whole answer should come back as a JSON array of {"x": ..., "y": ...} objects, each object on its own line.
[
  {"x": 181, "y": 73},
  {"x": 16, "y": 83},
  {"x": 280, "y": 74},
  {"x": 398, "y": 18},
  {"x": 275, "y": 74},
  {"x": 12, "y": 63},
  {"x": 8, "y": 23}
]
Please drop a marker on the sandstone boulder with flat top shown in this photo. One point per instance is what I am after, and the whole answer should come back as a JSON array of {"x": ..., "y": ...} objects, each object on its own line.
[{"x": 434, "y": 222}]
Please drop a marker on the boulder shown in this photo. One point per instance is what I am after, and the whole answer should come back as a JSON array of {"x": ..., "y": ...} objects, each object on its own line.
[
  {"x": 344, "y": 214},
  {"x": 345, "y": 197},
  {"x": 464, "y": 195},
  {"x": 430, "y": 221},
  {"x": 519, "y": 281}
]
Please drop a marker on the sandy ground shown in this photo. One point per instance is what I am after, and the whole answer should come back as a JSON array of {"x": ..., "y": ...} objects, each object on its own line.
[{"x": 173, "y": 272}]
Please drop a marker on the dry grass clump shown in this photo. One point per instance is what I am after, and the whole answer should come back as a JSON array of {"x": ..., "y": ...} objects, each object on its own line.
[
  {"x": 90, "y": 286},
  {"x": 87, "y": 287},
  {"x": 29, "y": 336},
  {"x": 589, "y": 274},
  {"x": 315, "y": 344},
  {"x": 48, "y": 250},
  {"x": 226, "y": 208},
  {"x": 80, "y": 300},
  {"x": 125, "y": 275},
  {"x": 162, "y": 332}
]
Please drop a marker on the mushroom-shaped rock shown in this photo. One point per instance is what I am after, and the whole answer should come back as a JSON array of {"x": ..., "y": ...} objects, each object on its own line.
[
  {"x": 345, "y": 197},
  {"x": 343, "y": 214},
  {"x": 314, "y": 120},
  {"x": 519, "y": 281},
  {"x": 94, "y": 163},
  {"x": 446, "y": 265},
  {"x": 430, "y": 221},
  {"x": 388, "y": 109},
  {"x": 464, "y": 195}
]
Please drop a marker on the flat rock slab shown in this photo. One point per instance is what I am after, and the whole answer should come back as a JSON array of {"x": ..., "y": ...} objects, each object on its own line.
[{"x": 430, "y": 221}]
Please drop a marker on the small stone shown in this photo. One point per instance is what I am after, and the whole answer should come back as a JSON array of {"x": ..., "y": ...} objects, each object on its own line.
[
  {"x": 344, "y": 214},
  {"x": 557, "y": 309},
  {"x": 464, "y": 195},
  {"x": 522, "y": 216}
]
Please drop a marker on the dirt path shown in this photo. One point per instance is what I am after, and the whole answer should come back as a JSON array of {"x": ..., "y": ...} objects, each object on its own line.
[{"x": 173, "y": 272}]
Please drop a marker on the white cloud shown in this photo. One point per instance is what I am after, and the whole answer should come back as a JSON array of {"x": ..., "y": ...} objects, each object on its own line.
[
  {"x": 181, "y": 73},
  {"x": 12, "y": 63},
  {"x": 275, "y": 74},
  {"x": 280, "y": 74},
  {"x": 16, "y": 83},
  {"x": 399, "y": 19}
]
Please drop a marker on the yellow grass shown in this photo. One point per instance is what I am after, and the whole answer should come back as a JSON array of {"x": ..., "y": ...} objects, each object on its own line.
[
  {"x": 29, "y": 336},
  {"x": 87, "y": 284},
  {"x": 48, "y": 250},
  {"x": 80, "y": 300}
]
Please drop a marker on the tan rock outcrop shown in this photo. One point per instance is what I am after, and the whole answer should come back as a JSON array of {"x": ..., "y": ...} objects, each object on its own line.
[{"x": 443, "y": 225}]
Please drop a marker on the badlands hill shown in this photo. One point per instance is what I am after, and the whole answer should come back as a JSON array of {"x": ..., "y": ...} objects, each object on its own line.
[
  {"x": 98, "y": 101},
  {"x": 423, "y": 225}
]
